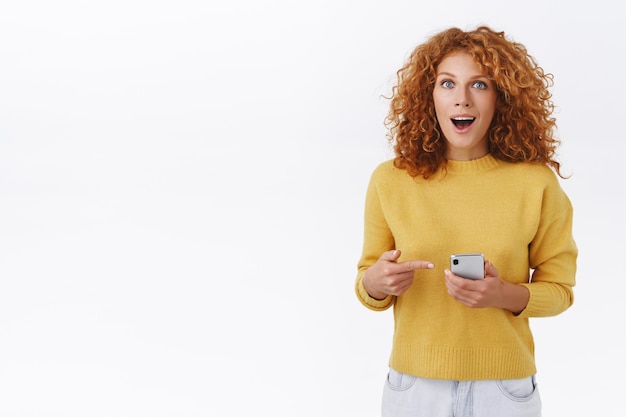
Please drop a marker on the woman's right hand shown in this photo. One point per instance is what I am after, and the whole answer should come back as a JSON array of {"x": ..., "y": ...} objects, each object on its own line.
[{"x": 389, "y": 277}]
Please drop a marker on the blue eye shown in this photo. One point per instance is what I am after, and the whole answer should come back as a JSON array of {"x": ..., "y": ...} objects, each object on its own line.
[
  {"x": 480, "y": 85},
  {"x": 447, "y": 84}
]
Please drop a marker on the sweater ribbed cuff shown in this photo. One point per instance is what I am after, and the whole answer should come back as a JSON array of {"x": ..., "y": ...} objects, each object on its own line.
[{"x": 370, "y": 302}]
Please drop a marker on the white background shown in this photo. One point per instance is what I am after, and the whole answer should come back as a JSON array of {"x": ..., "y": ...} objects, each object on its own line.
[{"x": 181, "y": 196}]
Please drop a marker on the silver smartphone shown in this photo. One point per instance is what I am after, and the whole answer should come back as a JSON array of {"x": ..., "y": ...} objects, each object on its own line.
[{"x": 468, "y": 265}]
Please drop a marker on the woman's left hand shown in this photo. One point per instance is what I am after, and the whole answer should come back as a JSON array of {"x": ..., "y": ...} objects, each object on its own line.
[{"x": 488, "y": 292}]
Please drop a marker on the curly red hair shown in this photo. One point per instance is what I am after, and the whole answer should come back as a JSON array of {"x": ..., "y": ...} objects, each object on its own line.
[{"x": 522, "y": 130}]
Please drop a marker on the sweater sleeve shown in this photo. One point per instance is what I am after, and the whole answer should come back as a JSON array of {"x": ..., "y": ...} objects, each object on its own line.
[
  {"x": 377, "y": 238},
  {"x": 552, "y": 256}
]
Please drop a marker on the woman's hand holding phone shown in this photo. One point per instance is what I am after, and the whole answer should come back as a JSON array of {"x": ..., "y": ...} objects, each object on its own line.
[
  {"x": 491, "y": 291},
  {"x": 478, "y": 287}
]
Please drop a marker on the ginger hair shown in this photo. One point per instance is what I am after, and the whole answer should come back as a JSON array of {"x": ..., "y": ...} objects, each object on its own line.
[{"x": 522, "y": 130}]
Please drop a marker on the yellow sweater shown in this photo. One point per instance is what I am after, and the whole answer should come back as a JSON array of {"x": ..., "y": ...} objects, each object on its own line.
[{"x": 517, "y": 215}]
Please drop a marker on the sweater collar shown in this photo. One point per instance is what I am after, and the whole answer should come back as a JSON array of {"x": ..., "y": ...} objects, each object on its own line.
[{"x": 475, "y": 165}]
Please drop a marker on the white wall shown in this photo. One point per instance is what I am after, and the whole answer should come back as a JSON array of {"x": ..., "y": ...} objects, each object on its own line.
[{"x": 181, "y": 196}]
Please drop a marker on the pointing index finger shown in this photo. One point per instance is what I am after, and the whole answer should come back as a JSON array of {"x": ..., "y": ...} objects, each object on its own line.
[{"x": 413, "y": 265}]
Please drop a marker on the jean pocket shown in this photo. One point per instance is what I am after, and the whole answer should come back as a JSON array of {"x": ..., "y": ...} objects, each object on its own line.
[
  {"x": 518, "y": 389},
  {"x": 398, "y": 381}
]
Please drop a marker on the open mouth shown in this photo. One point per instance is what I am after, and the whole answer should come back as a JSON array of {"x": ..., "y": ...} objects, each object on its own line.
[{"x": 463, "y": 122}]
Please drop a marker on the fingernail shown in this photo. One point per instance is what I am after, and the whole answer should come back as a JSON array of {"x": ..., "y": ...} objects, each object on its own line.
[{"x": 431, "y": 265}]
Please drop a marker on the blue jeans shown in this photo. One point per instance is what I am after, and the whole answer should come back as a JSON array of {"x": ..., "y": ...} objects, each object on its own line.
[{"x": 406, "y": 395}]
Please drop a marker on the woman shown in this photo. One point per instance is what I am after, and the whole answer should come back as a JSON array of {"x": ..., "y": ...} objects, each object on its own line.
[{"x": 474, "y": 171}]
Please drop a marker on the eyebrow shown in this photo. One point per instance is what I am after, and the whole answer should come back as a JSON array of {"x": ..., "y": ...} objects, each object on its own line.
[{"x": 473, "y": 77}]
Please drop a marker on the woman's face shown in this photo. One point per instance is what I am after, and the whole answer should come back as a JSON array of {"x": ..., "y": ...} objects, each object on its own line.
[{"x": 465, "y": 102}]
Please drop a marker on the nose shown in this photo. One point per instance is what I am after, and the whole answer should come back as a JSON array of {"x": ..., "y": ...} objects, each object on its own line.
[{"x": 462, "y": 99}]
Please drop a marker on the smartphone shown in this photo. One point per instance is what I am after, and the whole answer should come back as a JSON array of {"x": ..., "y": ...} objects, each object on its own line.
[{"x": 468, "y": 265}]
